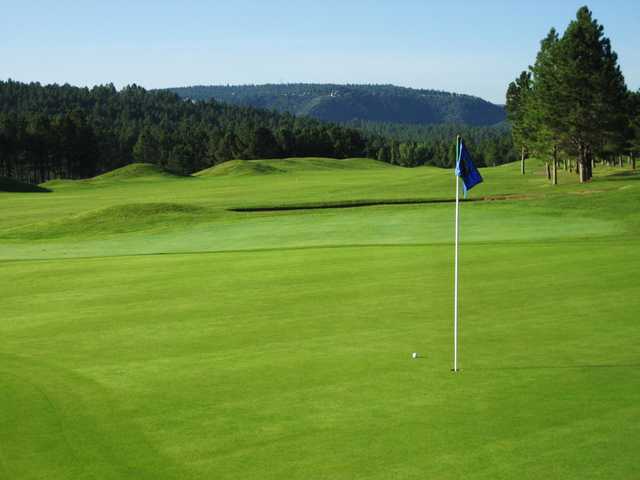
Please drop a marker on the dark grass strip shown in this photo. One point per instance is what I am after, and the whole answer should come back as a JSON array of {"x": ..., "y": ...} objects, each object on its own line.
[{"x": 368, "y": 203}]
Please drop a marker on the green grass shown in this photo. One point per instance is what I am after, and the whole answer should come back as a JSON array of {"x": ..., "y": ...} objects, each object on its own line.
[{"x": 150, "y": 332}]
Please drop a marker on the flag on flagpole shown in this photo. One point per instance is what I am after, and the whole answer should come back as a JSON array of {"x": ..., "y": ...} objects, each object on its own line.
[{"x": 466, "y": 169}]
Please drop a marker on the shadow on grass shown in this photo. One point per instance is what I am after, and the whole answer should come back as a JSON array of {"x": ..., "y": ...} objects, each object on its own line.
[
  {"x": 370, "y": 203},
  {"x": 626, "y": 175},
  {"x": 14, "y": 186}
]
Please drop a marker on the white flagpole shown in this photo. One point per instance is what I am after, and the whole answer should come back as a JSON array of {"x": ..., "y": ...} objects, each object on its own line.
[{"x": 455, "y": 275}]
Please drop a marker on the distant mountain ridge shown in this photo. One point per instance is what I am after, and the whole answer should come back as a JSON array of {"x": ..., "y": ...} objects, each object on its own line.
[{"x": 346, "y": 103}]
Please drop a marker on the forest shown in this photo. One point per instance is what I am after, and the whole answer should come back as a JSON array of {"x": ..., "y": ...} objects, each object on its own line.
[
  {"x": 61, "y": 131},
  {"x": 57, "y": 131},
  {"x": 431, "y": 144},
  {"x": 573, "y": 103}
]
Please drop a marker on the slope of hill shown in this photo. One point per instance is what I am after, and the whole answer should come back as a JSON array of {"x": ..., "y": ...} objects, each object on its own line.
[
  {"x": 291, "y": 165},
  {"x": 344, "y": 103},
  {"x": 134, "y": 170}
]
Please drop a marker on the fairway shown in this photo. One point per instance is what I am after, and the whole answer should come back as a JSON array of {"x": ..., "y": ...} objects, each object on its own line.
[{"x": 150, "y": 331}]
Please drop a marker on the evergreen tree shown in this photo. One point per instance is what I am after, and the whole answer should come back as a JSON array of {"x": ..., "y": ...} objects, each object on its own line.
[
  {"x": 147, "y": 148},
  {"x": 262, "y": 144},
  {"x": 518, "y": 97},
  {"x": 592, "y": 89}
]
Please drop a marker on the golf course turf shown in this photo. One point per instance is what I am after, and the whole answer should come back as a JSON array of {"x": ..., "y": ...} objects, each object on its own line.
[{"x": 239, "y": 324}]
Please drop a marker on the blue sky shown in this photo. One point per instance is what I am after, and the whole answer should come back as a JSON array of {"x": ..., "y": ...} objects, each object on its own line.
[{"x": 474, "y": 47}]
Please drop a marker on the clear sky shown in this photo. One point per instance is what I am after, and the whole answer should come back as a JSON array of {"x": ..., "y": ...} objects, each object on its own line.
[{"x": 474, "y": 47}]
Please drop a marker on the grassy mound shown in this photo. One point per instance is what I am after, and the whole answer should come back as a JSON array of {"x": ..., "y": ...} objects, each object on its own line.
[
  {"x": 238, "y": 167},
  {"x": 135, "y": 170},
  {"x": 115, "y": 219},
  {"x": 11, "y": 185},
  {"x": 291, "y": 165}
]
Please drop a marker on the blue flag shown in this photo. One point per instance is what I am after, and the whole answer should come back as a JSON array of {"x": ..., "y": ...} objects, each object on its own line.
[{"x": 466, "y": 169}]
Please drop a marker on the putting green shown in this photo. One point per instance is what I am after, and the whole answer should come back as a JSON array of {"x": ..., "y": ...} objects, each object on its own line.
[{"x": 149, "y": 332}]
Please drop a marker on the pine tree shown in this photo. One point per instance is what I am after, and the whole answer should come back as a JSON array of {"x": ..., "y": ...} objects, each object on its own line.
[
  {"x": 518, "y": 97},
  {"x": 544, "y": 108},
  {"x": 590, "y": 90},
  {"x": 147, "y": 148}
]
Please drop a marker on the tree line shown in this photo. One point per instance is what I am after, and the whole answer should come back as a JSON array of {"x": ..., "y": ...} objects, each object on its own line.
[
  {"x": 412, "y": 145},
  {"x": 60, "y": 131},
  {"x": 573, "y": 103}
]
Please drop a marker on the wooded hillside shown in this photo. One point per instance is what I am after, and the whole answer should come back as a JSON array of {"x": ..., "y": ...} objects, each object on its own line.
[{"x": 344, "y": 103}]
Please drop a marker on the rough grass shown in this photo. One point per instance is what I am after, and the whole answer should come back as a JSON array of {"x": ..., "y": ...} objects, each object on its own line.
[
  {"x": 274, "y": 345},
  {"x": 237, "y": 167}
]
